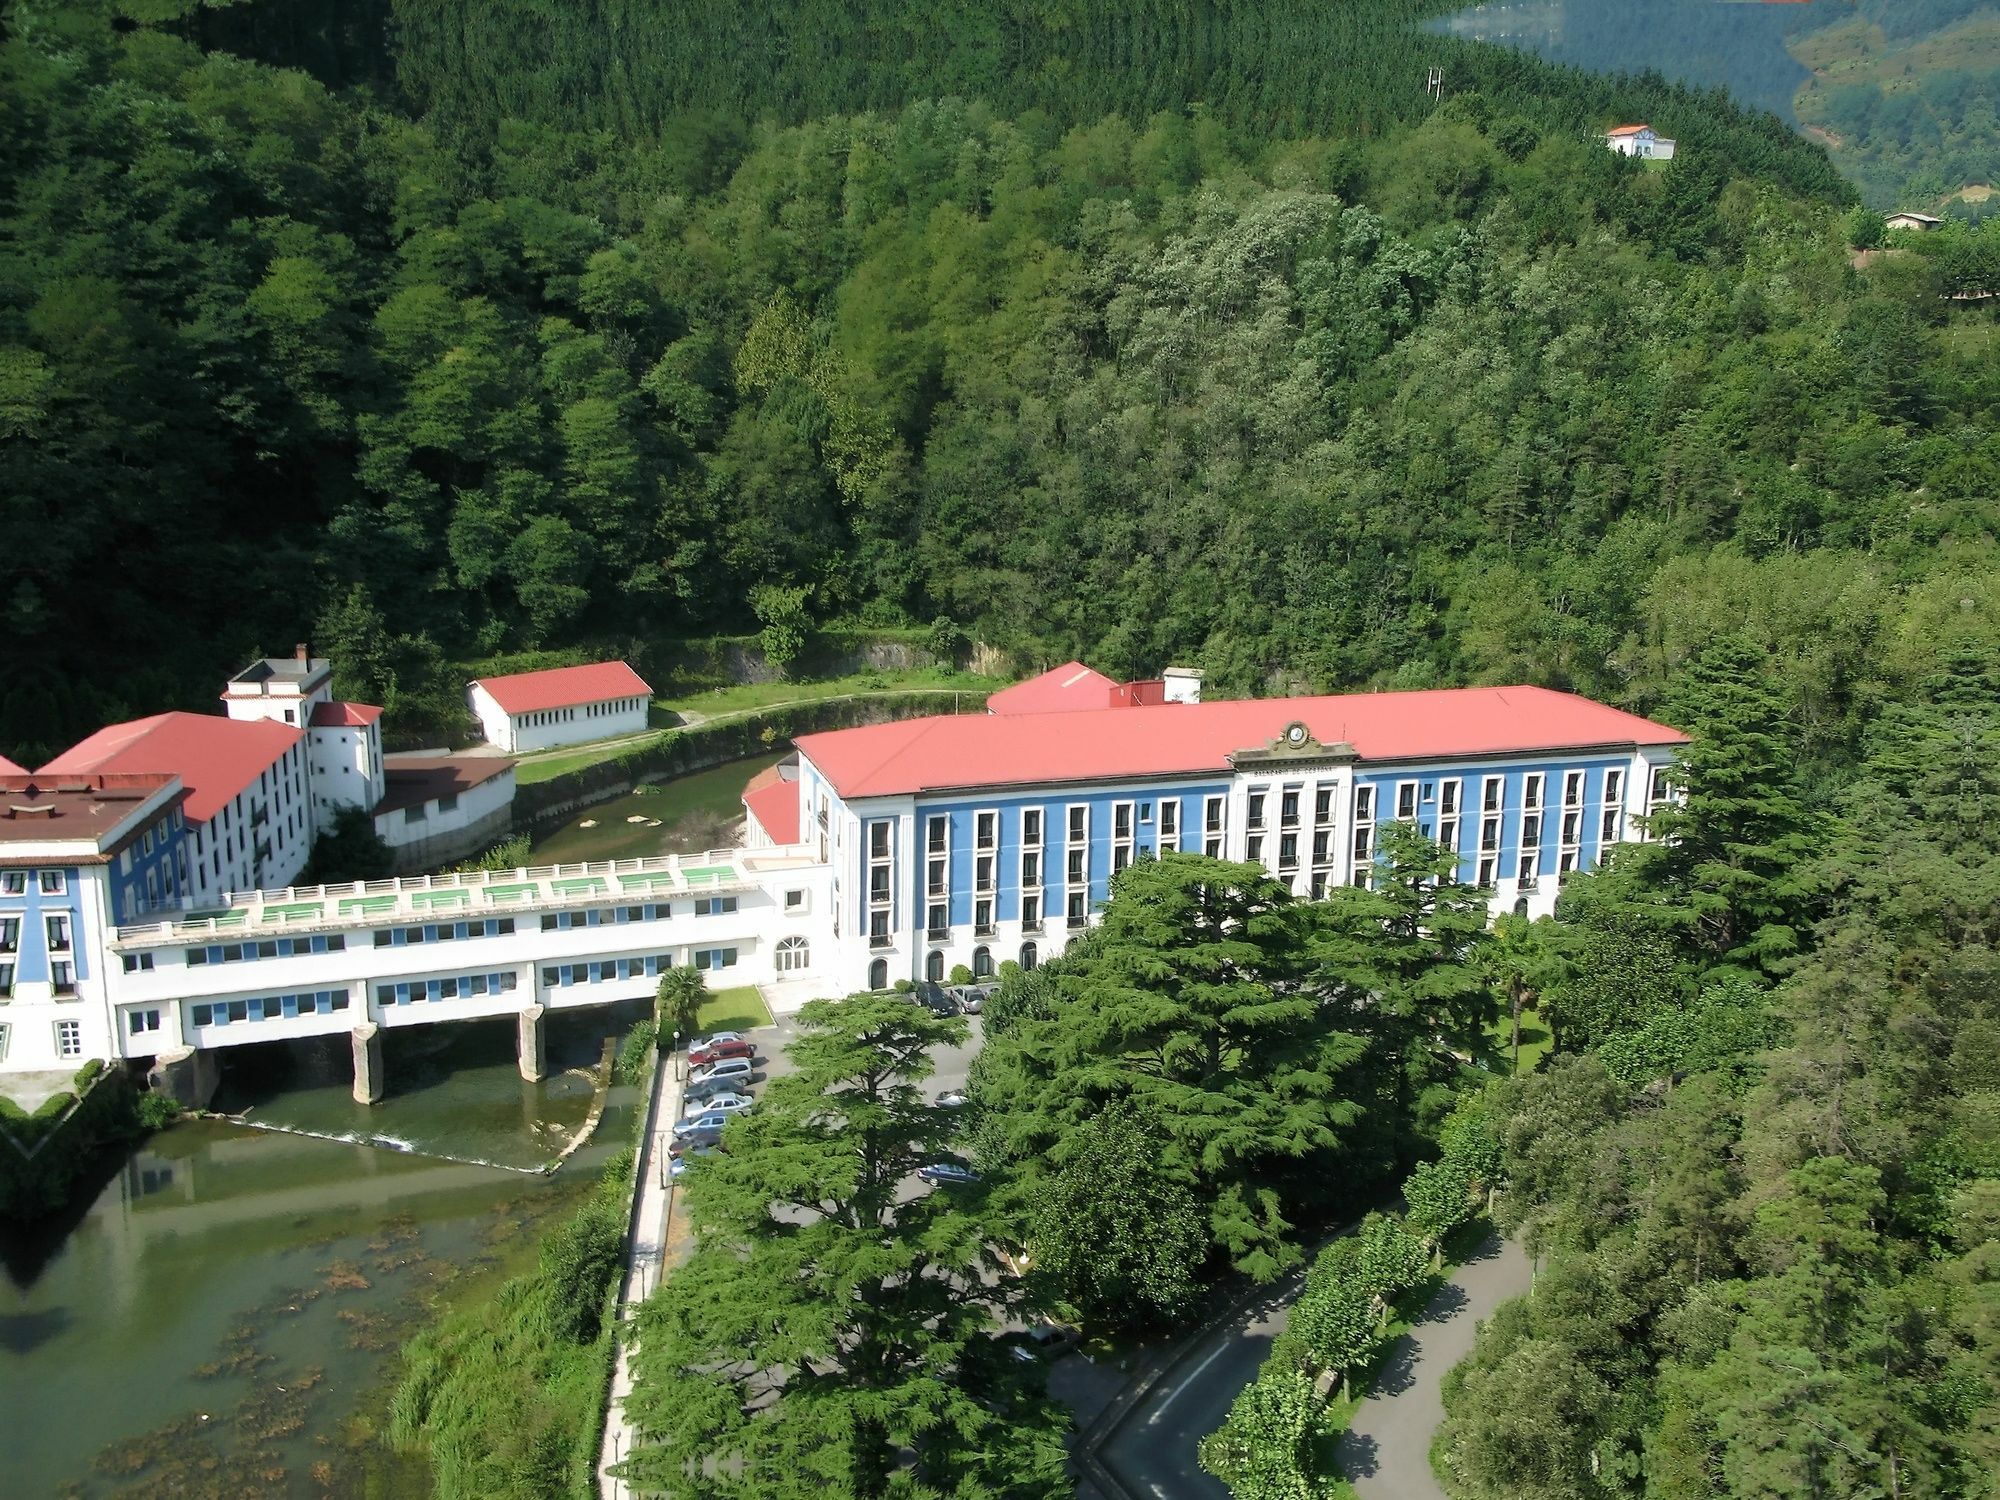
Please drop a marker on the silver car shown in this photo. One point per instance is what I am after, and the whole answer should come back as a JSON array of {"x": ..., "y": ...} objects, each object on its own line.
[{"x": 722, "y": 1104}]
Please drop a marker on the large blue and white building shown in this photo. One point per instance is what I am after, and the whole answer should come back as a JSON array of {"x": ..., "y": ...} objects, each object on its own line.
[{"x": 895, "y": 851}]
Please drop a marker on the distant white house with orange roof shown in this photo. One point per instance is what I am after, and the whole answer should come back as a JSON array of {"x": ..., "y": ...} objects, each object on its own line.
[{"x": 1641, "y": 141}]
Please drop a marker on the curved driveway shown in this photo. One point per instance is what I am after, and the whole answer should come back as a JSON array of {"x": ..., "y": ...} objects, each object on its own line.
[{"x": 1150, "y": 1447}]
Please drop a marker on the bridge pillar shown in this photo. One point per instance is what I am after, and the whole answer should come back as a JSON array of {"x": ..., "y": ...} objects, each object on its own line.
[
  {"x": 187, "y": 1075},
  {"x": 369, "y": 1081},
  {"x": 533, "y": 1045}
]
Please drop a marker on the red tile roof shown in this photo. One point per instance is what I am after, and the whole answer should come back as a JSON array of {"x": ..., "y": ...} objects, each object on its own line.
[
  {"x": 8, "y": 768},
  {"x": 957, "y": 751},
  {"x": 775, "y": 806},
  {"x": 1063, "y": 689},
  {"x": 338, "y": 715},
  {"x": 214, "y": 757},
  {"x": 1627, "y": 129},
  {"x": 565, "y": 687}
]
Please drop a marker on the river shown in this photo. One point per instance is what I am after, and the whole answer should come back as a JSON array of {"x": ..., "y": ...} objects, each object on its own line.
[{"x": 223, "y": 1317}]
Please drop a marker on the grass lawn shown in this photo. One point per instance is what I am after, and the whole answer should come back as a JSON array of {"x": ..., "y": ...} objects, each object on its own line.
[
  {"x": 1536, "y": 1039},
  {"x": 732, "y": 1010},
  {"x": 719, "y": 703}
]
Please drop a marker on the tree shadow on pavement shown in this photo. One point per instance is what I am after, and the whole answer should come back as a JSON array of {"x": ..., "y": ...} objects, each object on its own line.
[{"x": 1356, "y": 1455}]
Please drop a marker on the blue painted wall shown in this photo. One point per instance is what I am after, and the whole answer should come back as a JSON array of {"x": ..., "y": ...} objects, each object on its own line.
[
  {"x": 32, "y": 907},
  {"x": 163, "y": 860}
]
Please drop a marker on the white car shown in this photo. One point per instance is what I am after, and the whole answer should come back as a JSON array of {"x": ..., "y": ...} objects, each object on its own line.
[
  {"x": 728, "y": 1104},
  {"x": 721, "y": 1036}
]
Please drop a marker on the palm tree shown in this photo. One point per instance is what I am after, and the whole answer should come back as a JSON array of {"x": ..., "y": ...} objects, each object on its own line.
[
  {"x": 678, "y": 1004},
  {"x": 1522, "y": 959}
]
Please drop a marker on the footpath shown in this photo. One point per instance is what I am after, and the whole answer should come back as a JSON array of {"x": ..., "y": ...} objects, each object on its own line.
[{"x": 645, "y": 1255}]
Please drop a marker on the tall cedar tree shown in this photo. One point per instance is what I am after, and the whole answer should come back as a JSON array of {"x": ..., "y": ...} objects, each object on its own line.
[
  {"x": 1732, "y": 844},
  {"x": 1402, "y": 959},
  {"x": 1188, "y": 1001},
  {"x": 830, "y": 1336}
]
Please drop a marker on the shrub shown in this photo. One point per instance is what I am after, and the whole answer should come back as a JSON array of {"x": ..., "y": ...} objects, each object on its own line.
[
  {"x": 960, "y": 974},
  {"x": 87, "y": 1074},
  {"x": 633, "y": 1052},
  {"x": 157, "y": 1111}
]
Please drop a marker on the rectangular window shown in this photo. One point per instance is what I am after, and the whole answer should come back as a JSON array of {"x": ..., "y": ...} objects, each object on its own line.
[
  {"x": 795, "y": 900},
  {"x": 1572, "y": 789},
  {"x": 1406, "y": 801},
  {"x": 1614, "y": 786},
  {"x": 937, "y": 922},
  {"x": 140, "y": 1022},
  {"x": 62, "y": 978},
  {"x": 1212, "y": 815},
  {"x": 1531, "y": 789},
  {"x": 6, "y": 981},
  {"x": 1364, "y": 804},
  {"x": 54, "y": 882},
  {"x": 1031, "y": 869},
  {"x": 1612, "y": 827},
  {"x": 1447, "y": 836},
  {"x": 57, "y": 926},
  {"x": 1253, "y": 817},
  {"x": 1323, "y": 805},
  {"x": 1487, "y": 865},
  {"x": 448, "y": 802},
  {"x": 1493, "y": 794},
  {"x": 985, "y": 830},
  {"x": 137, "y": 963},
  {"x": 937, "y": 837},
  {"x": 1076, "y": 910},
  {"x": 878, "y": 881},
  {"x": 6, "y": 1035},
  {"x": 1253, "y": 848},
  {"x": 1121, "y": 820},
  {"x": 1076, "y": 866},
  {"x": 13, "y": 882},
  {"x": 1079, "y": 824},
  {"x": 1531, "y": 830},
  {"x": 982, "y": 917},
  {"x": 69, "y": 1039},
  {"x": 1448, "y": 799},
  {"x": 1572, "y": 828},
  {"x": 1031, "y": 826},
  {"x": 1170, "y": 824},
  {"x": 10, "y": 934},
  {"x": 878, "y": 840},
  {"x": 1288, "y": 851},
  {"x": 1031, "y": 911},
  {"x": 1288, "y": 807},
  {"x": 1525, "y": 880},
  {"x": 982, "y": 873},
  {"x": 878, "y": 929},
  {"x": 714, "y": 906}
]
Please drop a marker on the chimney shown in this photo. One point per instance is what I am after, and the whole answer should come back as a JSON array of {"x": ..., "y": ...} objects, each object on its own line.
[
  {"x": 1182, "y": 684},
  {"x": 304, "y": 655}
]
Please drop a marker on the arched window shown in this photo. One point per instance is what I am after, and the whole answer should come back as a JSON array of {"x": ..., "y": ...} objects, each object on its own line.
[
  {"x": 878, "y": 974},
  {"x": 1028, "y": 955},
  {"x": 792, "y": 955},
  {"x": 1520, "y": 906},
  {"x": 934, "y": 967},
  {"x": 982, "y": 963}
]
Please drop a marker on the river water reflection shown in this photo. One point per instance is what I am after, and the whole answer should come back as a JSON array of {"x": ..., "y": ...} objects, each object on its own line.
[{"x": 223, "y": 1318}]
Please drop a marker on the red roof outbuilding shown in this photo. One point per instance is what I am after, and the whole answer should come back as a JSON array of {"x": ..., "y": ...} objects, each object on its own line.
[
  {"x": 565, "y": 687},
  {"x": 1178, "y": 739},
  {"x": 214, "y": 757},
  {"x": 1062, "y": 689},
  {"x": 336, "y": 714}
]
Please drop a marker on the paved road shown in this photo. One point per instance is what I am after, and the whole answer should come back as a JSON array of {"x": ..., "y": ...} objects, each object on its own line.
[
  {"x": 1386, "y": 1453},
  {"x": 1153, "y": 1449}
]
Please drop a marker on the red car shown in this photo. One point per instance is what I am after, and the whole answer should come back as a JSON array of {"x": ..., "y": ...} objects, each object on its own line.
[{"x": 715, "y": 1051}]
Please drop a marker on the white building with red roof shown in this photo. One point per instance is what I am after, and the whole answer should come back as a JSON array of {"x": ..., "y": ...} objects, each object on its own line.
[
  {"x": 1641, "y": 141},
  {"x": 561, "y": 706},
  {"x": 977, "y": 839}
]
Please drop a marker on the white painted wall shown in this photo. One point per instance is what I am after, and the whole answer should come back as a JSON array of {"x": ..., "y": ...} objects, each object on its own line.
[
  {"x": 399, "y": 828},
  {"x": 577, "y": 725}
]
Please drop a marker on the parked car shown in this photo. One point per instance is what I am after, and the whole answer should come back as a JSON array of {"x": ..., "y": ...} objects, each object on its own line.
[
  {"x": 972, "y": 998},
  {"x": 708, "y": 1119},
  {"x": 948, "y": 1173},
  {"x": 937, "y": 999},
  {"x": 735, "y": 1069},
  {"x": 720, "y": 1036},
  {"x": 724, "y": 1104},
  {"x": 679, "y": 1157},
  {"x": 703, "y": 1137},
  {"x": 700, "y": 1089},
  {"x": 953, "y": 1099},
  {"x": 735, "y": 1047}
]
